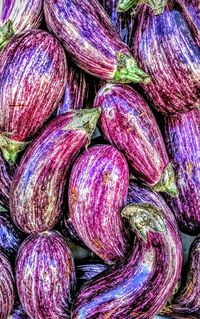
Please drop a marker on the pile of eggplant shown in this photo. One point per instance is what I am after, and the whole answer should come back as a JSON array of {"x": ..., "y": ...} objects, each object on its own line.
[{"x": 99, "y": 159}]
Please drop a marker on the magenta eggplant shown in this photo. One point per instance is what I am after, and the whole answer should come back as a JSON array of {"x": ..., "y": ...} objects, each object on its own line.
[
  {"x": 45, "y": 276},
  {"x": 87, "y": 270},
  {"x": 128, "y": 123},
  {"x": 97, "y": 191},
  {"x": 182, "y": 136},
  {"x": 39, "y": 183},
  {"x": 18, "y": 313},
  {"x": 6, "y": 174},
  {"x": 6, "y": 287},
  {"x": 141, "y": 283},
  {"x": 32, "y": 79},
  {"x": 17, "y": 16},
  {"x": 166, "y": 49},
  {"x": 88, "y": 35}
]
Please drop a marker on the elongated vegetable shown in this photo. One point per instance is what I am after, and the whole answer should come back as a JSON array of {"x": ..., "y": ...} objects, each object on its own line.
[
  {"x": 18, "y": 313},
  {"x": 87, "y": 270},
  {"x": 97, "y": 192},
  {"x": 128, "y": 123},
  {"x": 166, "y": 49},
  {"x": 6, "y": 174},
  {"x": 32, "y": 80},
  {"x": 156, "y": 5},
  {"x": 17, "y": 16},
  {"x": 39, "y": 182},
  {"x": 89, "y": 36},
  {"x": 6, "y": 287},
  {"x": 45, "y": 276},
  {"x": 141, "y": 283},
  {"x": 182, "y": 135}
]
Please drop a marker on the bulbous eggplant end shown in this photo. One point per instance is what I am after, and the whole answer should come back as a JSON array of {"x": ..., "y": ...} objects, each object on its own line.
[
  {"x": 125, "y": 5},
  {"x": 167, "y": 183},
  {"x": 11, "y": 148},
  {"x": 144, "y": 218},
  {"x": 128, "y": 70},
  {"x": 6, "y": 33}
]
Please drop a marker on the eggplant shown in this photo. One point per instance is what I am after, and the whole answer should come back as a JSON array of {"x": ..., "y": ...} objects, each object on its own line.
[
  {"x": 6, "y": 174},
  {"x": 88, "y": 35},
  {"x": 98, "y": 187},
  {"x": 32, "y": 79},
  {"x": 182, "y": 136},
  {"x": 128, "y": 123},
  {"x": 18, "y": 313},
  {"x": 156, "y": 5},
  {"x": 39, "y": 182},
  {"x": 10, "y": 236},
  {"x": 87, "y": 270},
  {"x": 68, "y": 230},
  {"x": 6, "y": 287},
  {"x": 139, "y": 285},
  {"x": 45, "y": 276},
  {"x": 18, "y": 16},
  {"x": 166, "y": 49}
]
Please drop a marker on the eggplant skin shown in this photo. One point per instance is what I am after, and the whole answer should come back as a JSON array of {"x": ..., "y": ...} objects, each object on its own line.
[
  {"x": 168, "y": 38},
  {"x": 97, "y": 192},
  {"x": 6, "y": 174},
  {"x": 45, "y": 276},
  {"x": 182, "y": 136},
  {"x": 6, "y": 287},
  {"x": 141, "y": 283},
  {"x": 18, "y": 313},
  {"x": 67, "y": 229},
  {"x": 87, "y": 270}
]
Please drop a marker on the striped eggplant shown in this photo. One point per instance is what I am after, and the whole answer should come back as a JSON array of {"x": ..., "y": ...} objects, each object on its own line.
[
  {"x": 97, "y": 191},
  {"x": 17, "y": 16},
  {"x": 32, "y": 79},
  {"x": 10, "y": 236},
  {"x": 123, "y": 22},
  {"x": 45, "y": 276},
  {"x": 166, "y": 49},
  {"x": 128, "y": 123},
  {"x": 38, "y": 185},
  {"x": 88, "y": 35},
  {"x": 6, "y": 174},
  {"x": 156, "y": 5},
  {"x": 182, "y": 136},
  {"x": 6, "y": 287},
  {"x": 141, "y": 283},
  {"x": 68, "y": 230},
  {"x": 18, "y": 313},
  {"x": 87, "y": 270}
]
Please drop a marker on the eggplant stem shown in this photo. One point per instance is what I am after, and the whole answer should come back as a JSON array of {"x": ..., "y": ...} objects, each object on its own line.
[
  {"x": 157, "y": 6},
  {"x": 10, "y": 148},
  {"x": 167, "y": 183},
  {"x": 6, "y": 32}
]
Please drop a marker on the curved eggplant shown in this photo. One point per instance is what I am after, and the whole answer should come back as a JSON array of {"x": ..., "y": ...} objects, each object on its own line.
[
  {"x": 45, "y": 276},
  {"x": 18, "y": 313},
  {"x": 32, "y": 75},
  {"x": 156, "y": 5},
  {"x": 128, "y": 123},
  {"x": 6, "y": 174},
  {"x": 166, "y": 49},
  {"x": 87, "y": 270},
  {"x": 97, "y": 191},
  {"x": 17, "y": 16},
  {"x": 88, "y": 35},
  {"x": 182, "y": 136},
  {"x": 6, "y": 287},
  {"x": 39, "y": 183},
  {"x": 141, "y": 283}
]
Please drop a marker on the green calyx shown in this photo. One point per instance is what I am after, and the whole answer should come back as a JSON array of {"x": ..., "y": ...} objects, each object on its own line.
[
  {"x": 128, "y": 70},
  {"x": 167, "y": 183},
  {"x": 6, "y": 32},
  {"x": 157, "y": 6},
  {"x": 10, "y": 148},
  {"x": 144, "y": 218}
]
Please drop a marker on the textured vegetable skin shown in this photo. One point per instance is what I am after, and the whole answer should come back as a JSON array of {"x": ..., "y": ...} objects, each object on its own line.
[
  {"x": 167, "y": 38},
  {"x": 128, "y": 123},
  {"x": 6, "y": 174},
  {"x": 182, "y": 135},
  {"x": 88, "y": 270},
  {"x": 141, "y": 283},
  {"x": 190, "y": 9},
  {"x": 6, "y": 287},
  {"x": 45, "y": 276},
  {"x": 34, "y": 57},
  {"x": 88, "y": 35},
  {"x": 18, "y": 313},
  {"x": 39, "y": 183},
  {"x": 97, "y": 191},
  {"x": 68, "y": 230}
]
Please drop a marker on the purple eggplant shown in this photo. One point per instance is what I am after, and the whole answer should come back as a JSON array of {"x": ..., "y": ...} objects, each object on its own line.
[
  {"x": 128, "y": 123},
  {"x": 88, "y": 35},
  {"x": 141, "y": 283},
  {"x": 6, "y": 287},
  {"x": 166, "y": 49},
  {"x": 18, "y": 313},
  {"x": 98, "y": 189},
  {"x": 156, "y": 5},
  {"x": 6, "y": 174},
  {"x": 32, "y": 79},
  {"x": 87, "y": 270},
  {"x": 39, "y": 183},
  {"x": 10, "y": 236},
  {"x": 17, "y": 16},
  {"x": 182, "y": 135},
  {"x": 45, "y": 276}
]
